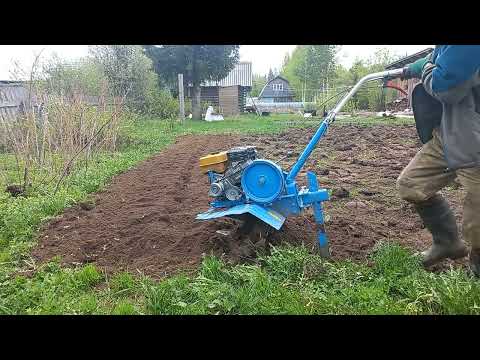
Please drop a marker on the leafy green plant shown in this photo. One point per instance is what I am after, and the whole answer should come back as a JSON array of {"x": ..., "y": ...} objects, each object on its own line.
[
  {"x": 88, "y": 276},
  {"x": 123, "y": 284},
  {"x": 124, "y": 308},
  {"x": 87, "y": 304},
  {"x": 160, "y": 103}
]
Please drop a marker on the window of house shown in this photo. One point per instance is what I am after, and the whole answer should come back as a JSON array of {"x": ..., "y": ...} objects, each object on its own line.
[{"x": 277, "y": 87}]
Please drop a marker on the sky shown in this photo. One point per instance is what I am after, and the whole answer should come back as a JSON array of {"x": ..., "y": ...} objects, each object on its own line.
[{"x": 263, "y": 57}]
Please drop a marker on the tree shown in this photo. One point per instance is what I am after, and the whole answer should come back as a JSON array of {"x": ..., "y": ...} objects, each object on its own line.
[
  {"x": 310, "y": 67},
  {"x": 320, "y": 63},
  {"x": 382, "y": 57},
  {"x": 370, "y": 96},
  {"x": 67, "y": 78},
  {"x": 129, "y": 72},
  {"x": 293, "y": 68},
  {"x": 196, "y": 62},
  {"x": 258, "y": 82},
  {"x": 358, "y": 70},
  {"x": 286, "y": 60},
  {"x": 270, "y": 75}
]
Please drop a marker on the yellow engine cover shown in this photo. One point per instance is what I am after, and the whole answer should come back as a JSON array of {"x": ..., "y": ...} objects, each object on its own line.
[{"x": 214, "y": 162}]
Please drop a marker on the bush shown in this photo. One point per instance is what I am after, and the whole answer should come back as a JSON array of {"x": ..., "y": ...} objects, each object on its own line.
[
  {"x": 310, "y": 107},
  {"x": 45, "y": 146},
  {"x": 162, "y": 104}
]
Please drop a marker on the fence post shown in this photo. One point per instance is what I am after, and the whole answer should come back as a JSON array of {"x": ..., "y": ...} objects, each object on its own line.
[{"x": 181, "y": 98}]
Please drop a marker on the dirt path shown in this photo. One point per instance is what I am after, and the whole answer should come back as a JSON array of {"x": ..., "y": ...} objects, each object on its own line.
[{"x": 145, "y": 220}]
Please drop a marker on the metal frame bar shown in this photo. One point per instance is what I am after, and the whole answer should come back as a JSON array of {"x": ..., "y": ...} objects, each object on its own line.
[{"x": 331, "y": 118}]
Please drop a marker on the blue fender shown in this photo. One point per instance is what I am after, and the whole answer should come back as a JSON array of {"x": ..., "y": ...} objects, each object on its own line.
[{"x": 269, "y": 216}]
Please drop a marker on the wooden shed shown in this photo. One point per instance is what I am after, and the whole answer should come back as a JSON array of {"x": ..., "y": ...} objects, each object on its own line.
[
  {"x": 13, "y": 95},
  {"x": 229, "y": 94},
  {"x": 408, "y": 85}
]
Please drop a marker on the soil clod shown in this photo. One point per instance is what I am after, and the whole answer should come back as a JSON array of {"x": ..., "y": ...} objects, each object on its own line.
[
  {"x": 367, "y": 192},
  {"x": 356, "y": 205},
  {"x": 15, "y": 190},
  {"x": 341, "y": 193},
  {"x": 87, "y": 205}
]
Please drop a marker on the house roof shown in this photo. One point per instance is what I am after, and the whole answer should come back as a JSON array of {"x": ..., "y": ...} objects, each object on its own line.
[
  {"x": 240, "y": 75},
  {"x": 279, "y": 77},
  {"x": 408, "y": 59},
  {"x": 11, "y": 82},
  {"x": 288, "y": 94}
]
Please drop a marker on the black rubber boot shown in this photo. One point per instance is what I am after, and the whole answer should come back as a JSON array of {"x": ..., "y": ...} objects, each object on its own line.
[
  {"x": 475, "y": 262},
  {"x": 440, "y": 221}
]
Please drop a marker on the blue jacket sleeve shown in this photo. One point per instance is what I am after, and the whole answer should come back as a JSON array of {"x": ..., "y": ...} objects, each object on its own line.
[
  {"x": 453, "y": 72},
  {"x": 454, "y": 64}
]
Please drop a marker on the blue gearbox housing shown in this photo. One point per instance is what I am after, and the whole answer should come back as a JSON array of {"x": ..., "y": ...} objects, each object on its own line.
[{"x": 262, "y": 181}]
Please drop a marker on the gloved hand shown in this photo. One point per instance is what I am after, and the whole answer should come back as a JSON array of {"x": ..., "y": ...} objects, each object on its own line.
[{"x": 414, "y": 70}]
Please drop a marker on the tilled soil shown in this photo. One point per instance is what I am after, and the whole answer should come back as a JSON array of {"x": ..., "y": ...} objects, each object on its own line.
[{"x": 145, "y": 220}]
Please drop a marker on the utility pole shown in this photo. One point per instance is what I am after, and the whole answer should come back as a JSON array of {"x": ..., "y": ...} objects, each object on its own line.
[
  {"x": 181, "y": 98},
  {"x": 304, "y": 86},
  {"x": 328, "y": 72}
]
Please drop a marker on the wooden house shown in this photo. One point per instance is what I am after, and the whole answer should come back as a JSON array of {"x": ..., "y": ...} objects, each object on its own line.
[{"x": 276, "y": 90}]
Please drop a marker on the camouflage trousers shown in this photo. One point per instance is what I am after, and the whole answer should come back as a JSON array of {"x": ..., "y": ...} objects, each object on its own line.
[{"x": 426, "y": 174}]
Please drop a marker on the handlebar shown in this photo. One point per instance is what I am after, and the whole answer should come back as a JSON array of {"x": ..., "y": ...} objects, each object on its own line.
[{"x": 389, "y": 74}]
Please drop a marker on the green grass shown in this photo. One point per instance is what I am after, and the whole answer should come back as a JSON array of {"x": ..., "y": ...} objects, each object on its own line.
[
  {"x": 248, "y": 124},
  {"x": 289, "y": 281},
  {"x": 277, "y": 123}
]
